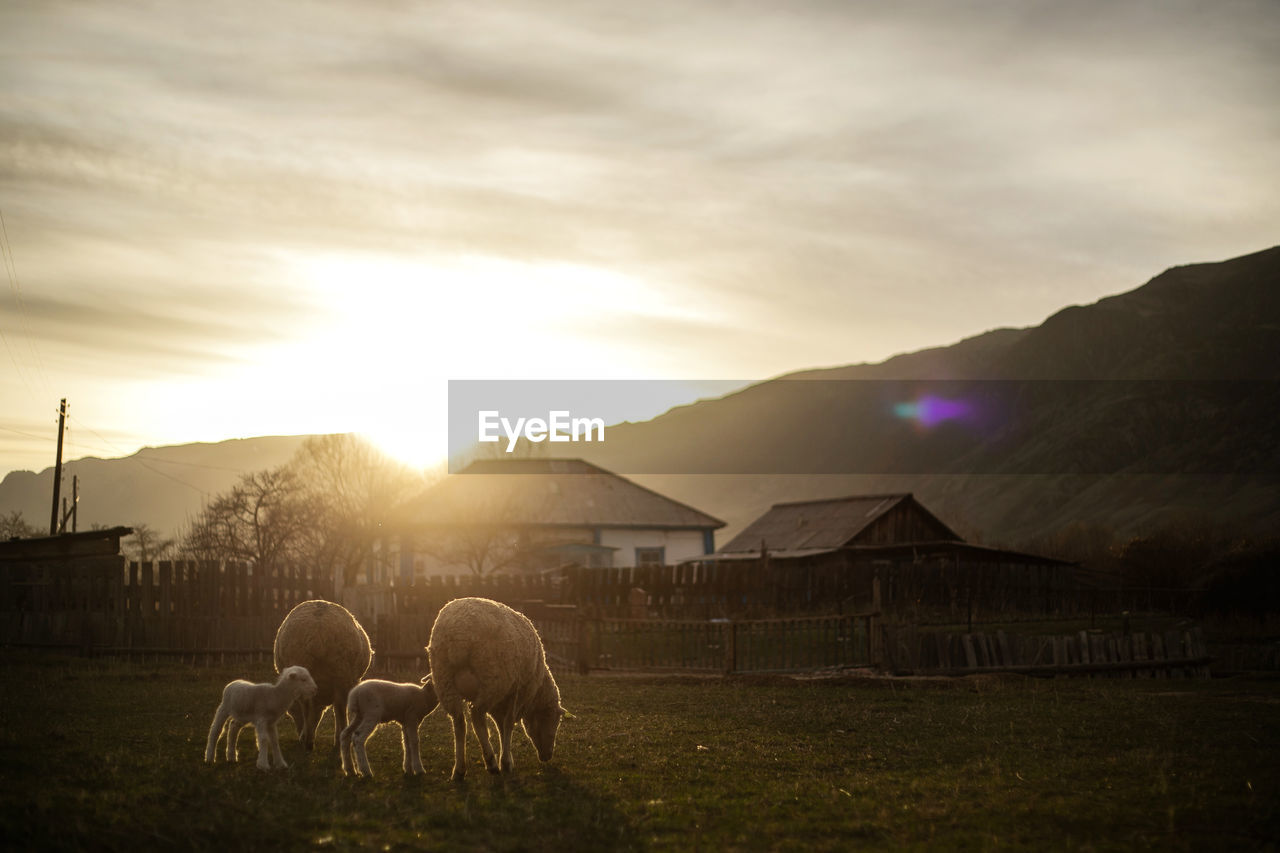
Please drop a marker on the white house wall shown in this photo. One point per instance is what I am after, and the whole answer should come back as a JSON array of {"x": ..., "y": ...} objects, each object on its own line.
[{"x": 677, "y": 545}]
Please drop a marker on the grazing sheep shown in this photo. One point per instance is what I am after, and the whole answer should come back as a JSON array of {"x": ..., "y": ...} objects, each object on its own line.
[
  {"x": 262, "y": 706},
  {"x": 326, "y": 639},
  {"x": 373, "y": 702},
  {"x": 489, "y": 656}
]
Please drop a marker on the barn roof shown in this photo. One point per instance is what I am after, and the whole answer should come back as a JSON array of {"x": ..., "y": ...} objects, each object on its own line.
[
  {"x": 550, "y": 493},
  {"x": 89, "y": 543},
  {"x": 949, "y": 547},
  {"x": 801, "y": 528}
]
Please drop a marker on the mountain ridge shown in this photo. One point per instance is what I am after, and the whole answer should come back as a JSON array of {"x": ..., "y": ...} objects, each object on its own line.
[
  {"x": 1213, "y": 320},
  {"x": 160, "y": 486},
  {"x": 1193, "y": 322}
]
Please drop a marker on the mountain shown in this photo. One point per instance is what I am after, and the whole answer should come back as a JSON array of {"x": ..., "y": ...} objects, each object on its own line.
[
  {"x": 1113, "y": 413},
  {"x": 1118, "y": 427},
  {"x": 159, "y": 486}
]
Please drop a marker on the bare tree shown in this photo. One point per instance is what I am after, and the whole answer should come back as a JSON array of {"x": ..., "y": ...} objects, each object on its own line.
[
  {"x": 357, "y": 490},
  {"x": 147, "y": 544},
  {"x": 266, "y": 519},
  {"x": 325, "y": 509},
  {"x": 480, "y": 522},
  {"x": 14, "y": 526}
]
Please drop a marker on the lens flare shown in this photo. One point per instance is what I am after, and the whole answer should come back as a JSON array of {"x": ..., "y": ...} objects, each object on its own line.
[{"x": 929, "y": 410}]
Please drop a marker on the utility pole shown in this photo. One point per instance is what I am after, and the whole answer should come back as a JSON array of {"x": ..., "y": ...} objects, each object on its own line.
[
  {"x": 57, "y": 469},
  {"x": 69, "y": 512}
]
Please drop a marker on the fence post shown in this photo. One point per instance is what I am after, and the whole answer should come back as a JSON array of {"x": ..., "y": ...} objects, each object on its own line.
[
  {"x": 581, "y": 636},
  {"x": 730, "y": 645}
]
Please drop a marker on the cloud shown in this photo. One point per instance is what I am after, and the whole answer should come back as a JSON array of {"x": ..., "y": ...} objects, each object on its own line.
[
  {"x": 153, "y": 332},
  {"x": 818, "y": 181}
]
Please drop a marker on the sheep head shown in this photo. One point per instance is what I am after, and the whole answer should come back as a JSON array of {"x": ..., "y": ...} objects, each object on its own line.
[
  {"x": 541, "y": 726},
  {"x": 299, "y": 679},
  {"x": 541, "y": 717}
]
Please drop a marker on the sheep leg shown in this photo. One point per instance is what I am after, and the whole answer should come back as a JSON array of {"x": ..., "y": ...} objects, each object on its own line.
[
  {"x": 339, "y": 713},
  {"x": 481, "y": 725},
  {"x": 506, "y": 720},
  {"x": 361, "y": 755},
  {"x": 344, "y": 744},
  {"x": 313, "y": 711},
  {"x": 273, "y": 731},
  {"x": 215, "y": 732},
  {"x": 459, "y": 744},
  {"x": 264, "y": 745},
  {"x": 412, "y": 749},
  {"x": 233, "y": 739},
  {"x": 298, "y": 713}
]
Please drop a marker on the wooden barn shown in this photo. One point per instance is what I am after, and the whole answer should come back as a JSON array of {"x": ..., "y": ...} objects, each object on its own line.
[{"x": 890, "y": 553}]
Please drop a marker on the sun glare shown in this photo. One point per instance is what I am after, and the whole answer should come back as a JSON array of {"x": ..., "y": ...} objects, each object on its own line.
[{"x": 393, "y": 331}]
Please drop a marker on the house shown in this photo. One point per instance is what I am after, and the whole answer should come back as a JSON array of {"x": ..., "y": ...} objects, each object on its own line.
[
  {"x": 500, "y": 515},
  {"x": 887, "y": 552}
]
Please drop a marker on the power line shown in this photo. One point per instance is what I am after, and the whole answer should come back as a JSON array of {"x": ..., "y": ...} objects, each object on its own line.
[
  {"x": 17, "y": 367},
  {"x": 27, "y": 434},
  {"x": 175, "y": 479},
  {"x": 101, "y": 437},
  {"x": 194, "y": 464},
  {"x": 11, "y": 269}
]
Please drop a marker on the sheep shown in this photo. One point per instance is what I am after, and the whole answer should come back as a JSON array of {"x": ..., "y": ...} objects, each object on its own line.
[
  {"x": 373, "y": 702},
  {"x": 262, "y": 706},
  {"x": 326, "y": 639},
  {"x": 487, "y": 655}
]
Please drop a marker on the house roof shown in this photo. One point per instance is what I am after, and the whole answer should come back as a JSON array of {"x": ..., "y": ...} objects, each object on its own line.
[
  {"x": 807, "y": 527},
  {"x": 104, "y": 542},
  {"x": 549, "y": 493},
  {"x": 914, "y": 549}
]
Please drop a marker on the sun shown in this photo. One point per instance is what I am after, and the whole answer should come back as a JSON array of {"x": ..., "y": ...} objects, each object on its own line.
[{"x": 387, "y": 332}]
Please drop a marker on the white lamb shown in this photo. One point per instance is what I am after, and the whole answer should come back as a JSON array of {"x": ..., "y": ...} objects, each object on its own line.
[
  {"x": 260, "y": 705},
  {"x": 487, "y": 655},
  {"x": 373, "y": 702}
]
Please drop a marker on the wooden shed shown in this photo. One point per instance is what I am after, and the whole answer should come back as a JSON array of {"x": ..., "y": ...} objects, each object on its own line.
[{"x": 888, "y": 552}]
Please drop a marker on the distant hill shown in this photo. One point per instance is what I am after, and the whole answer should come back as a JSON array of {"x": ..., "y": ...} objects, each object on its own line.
[
  {"x": 159, "y": 486},
  {"x": 1195, "y": 322},
  {"x": 1207, "y": 321}
]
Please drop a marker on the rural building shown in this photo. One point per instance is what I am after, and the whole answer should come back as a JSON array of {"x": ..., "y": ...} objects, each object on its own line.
[
  {"x": 885, "y": 551},
  {"x": 48, "y": 585},
  {"x": 522, "y": 515}
]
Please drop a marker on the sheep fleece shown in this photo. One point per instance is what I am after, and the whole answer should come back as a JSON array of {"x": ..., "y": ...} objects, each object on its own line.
[
  {"x": 499, "y": 645},
  {"x": 326, "y": 639}
]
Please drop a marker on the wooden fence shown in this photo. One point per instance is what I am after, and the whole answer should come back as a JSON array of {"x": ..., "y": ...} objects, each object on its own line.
[
  {"x": 167, "y": 608},
  {"x": 800, "y": 644},
  {"x": 209, "y": 611},
  {"x": 1173, "y": 654}
]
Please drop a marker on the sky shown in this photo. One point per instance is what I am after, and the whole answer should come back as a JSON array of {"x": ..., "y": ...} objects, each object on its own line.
[{"x": 242, "y": 218}]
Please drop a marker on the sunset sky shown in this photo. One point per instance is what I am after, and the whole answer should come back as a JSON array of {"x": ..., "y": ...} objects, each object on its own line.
[{"x": 233, "y": 219}]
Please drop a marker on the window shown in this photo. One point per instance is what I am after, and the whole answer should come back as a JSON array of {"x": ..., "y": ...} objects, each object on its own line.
[{"x": 650, "y": 557}]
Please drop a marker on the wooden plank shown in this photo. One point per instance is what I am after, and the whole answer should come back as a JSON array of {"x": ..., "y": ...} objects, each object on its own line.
[
  {"x": 1074, "y": 668},
  {"x": 1006, "y": 655},
  {"x": 970, "y": 656},
  {"x": 1173, "y": 650},
  {"x": 1158, "y": 654},
  {"x": 166, "y": 603}
]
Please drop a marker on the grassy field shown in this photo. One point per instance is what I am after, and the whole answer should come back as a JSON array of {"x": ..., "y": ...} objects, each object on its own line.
[{"x": 102, "y": 755}]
